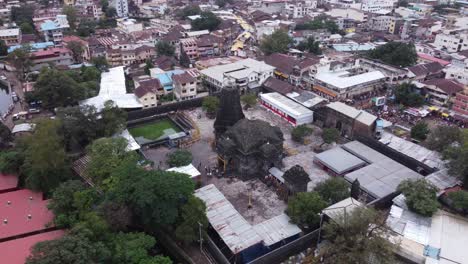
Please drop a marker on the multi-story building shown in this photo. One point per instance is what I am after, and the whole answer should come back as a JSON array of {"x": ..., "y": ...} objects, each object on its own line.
[
  {"x": 5, "y": 15},
  {"x": 336, "y": 82},
  {"x": 380, "y": 23},
  {"x": 54, "y": 56},
  {"x": 458, "y": 70},
  {"x": 377, "y": 6},
  {"x": 268, "y": 6},
  {"x": 189, "y": 45},
  {"x": 148, "y": 92},
  {"x": 52, "y": 30},
  {"x": 452, "y": 41},
  {"x": 185, "y": 86},
  {"x": 121, "y": 6},
  {"x": 128, "y": 25},
  {"x": 163, "y": 25},
  {"x": 300, "y": 9},
  {"x": 244, "y": 74},
  {"x": 442, "y": 91},
  {"x": 11, "y": 36},
  {"x": 460, "y": 106}
]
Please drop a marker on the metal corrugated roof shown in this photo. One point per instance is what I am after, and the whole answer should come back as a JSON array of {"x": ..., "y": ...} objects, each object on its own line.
[
  {"x": 233, "y": 229},
  {"x": 276, "y": 229}
]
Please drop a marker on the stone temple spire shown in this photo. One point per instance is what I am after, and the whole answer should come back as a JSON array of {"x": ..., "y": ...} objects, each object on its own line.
[{"x": 230, "y": 110}]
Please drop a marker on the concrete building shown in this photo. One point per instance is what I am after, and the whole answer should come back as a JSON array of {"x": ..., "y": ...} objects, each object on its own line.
[
  {"x": 121, "y": 6},
  {"x": 148, "y": 92},
  {"x": 53, "y": 30},
  {"x": 293, "y": 112},
  {"x": 244, "y": 74},
  {"x": 350, "y": 13},
  {"x": 460, "y": 106},
  {"x": 11, "y": 36},
  {"x": 300, "y": 9},
  {"x": 128, "y": 25},
  {"x": 343, "y": 84},
  {"x": 189, "y": 45},
  {"x": 54, "y": 56},
  {"x": 452, "y": 41},
  {"x": 268, "y": 6},
  {"x": 380, "y": 23},
  {"x": 378, "y": 6},
  {"x": 442, "y": 91},
  {"x": 185, "y": 86}
]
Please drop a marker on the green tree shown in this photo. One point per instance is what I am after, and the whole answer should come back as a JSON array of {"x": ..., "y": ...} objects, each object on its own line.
[
  {"x": 148, "y": 65},
  {"x": 26, "y": 28},
  {"x": 210, "y": 104},
  {"x": 333, "y": 190},
  {"x": 443, "y": 137},
  {"x": 300, "y": 132},
  {"x": 457, "y": 156},
  {"x": 421, "y": 196},
  {"x": 76, "y": 49},
  {"x": 189, "y": 10},
  {"x": 278, "y": 42},
  {"x": 459, "y": 200},
  {"x": 22, "y": 14},
  {"x": 46, "y": 164},
  {"x": 76, "y": 247},
  {"x": 56, "y": 89},
  {"x": 406, "y": 95},
  {"x": 359, "y": 237},
  {"x": 420, "y": 131},
  {"x": 207, "y": 21},
  {"x": 3, "y": 48},
  {"x": 70, "y": 12},
  {"x": 118, "y": 215},
  {"x": 304, "y": 209},
  {"x": 131, "y": 247},
  {"x": 180, "y": 157},
  {"x": 165, "y": 48},
  {"x": 356, "y": 189},
  {"x": 154, "y": 196},
  {"x": 21, "y": 59},
  {"x": 395, "y": 53},
  {"x": 109, "y": 151},
  {"x": 5, "y": 135},
  {"x": 192, "y": 214},
  {"x": 87, "y": 27},
  {"x": 249, "y": 100},
  {"x": 11, "y": 161},
  {"x": 100, "y": 62},
  {"x": 330, "y": 135},
  {"x": 320, "y": 22},
  {"x": 310, "y": 45},
  {"x": 114, "y": 119},
  {"x": 63, "y": 203},
  {"x": 80, "y": 125}
]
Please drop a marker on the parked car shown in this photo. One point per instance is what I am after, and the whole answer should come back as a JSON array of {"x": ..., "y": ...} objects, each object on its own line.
[
  {"x": 3, "y": 77},
  {"x": 20, "y": 115},
  {"x": 34, "y": 110},
  {"x": 14, "y": 96}
]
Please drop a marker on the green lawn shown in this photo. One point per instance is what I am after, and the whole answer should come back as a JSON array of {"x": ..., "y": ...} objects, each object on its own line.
[{"x": 153, "y": 131}]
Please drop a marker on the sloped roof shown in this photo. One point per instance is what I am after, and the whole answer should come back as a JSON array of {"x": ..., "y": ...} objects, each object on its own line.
[
  {"x": 448, "y": 86},
  {"x": 425, "y": 69},
  {"x": 279, "y": 86},
  {"x": 148, "y": 86}
]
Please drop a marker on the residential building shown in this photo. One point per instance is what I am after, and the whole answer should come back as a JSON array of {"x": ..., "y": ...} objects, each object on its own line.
[
  {"x": 391, "y": 72},
  {"x": 268, "y": 6},
  {"x": 164, "y": 25},
  {"x": 11, "y": 36},
  {"x": 5, "y": 15},
  {"x": 189, "y": 45},
  {"x": 121, "y": 6},
  {"x": 452, "y": 41},
  {"x": 350, "y": 13},
  {"x": 52, "y": 30},
  {"x": 128, "y": 25},
  {"x": 54, "y": 56},
  {"x": 210, "y": 45},
  {"x": 442, "y": 91},
  {"x": 148, "y": 92},
  {"x": 460, "y": 105},
  {"x": 300, "y": 8},
  {"x": 185, "y": 86},
  {"x": 86, "y": 56},
  {"x": 290, "y": 68},
  {"x": 245, "y": 74},
  {"x": 458, "y": 70},
  {"x": 380, "y": 23},
  {"x": 425, "y": 71},
  {"x": 378, "y": 6}
]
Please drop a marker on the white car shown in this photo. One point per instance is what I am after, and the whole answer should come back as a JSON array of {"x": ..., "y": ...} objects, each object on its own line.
[{"x": 3, "y": 77}]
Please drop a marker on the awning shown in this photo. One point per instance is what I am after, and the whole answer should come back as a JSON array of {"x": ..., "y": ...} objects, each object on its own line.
[
  {"x": 433, "y": 108},
  {"x": 445, "y": 115},
  {"x": 324, "y": 90}
]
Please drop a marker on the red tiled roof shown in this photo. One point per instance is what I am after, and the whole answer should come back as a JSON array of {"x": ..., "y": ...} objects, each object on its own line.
[
  {"x": 183, "y": 78},
  {"x": 74, "y": 38},
  {"x": 16, "y": 213},
  {"x": 8, "y": 182},
  {"x": 448, "y": 86},
  {"x": 16, "y": 251},
  {"x": 148, "y": 86},
  {"x": 49, "y": 52},
  {"x": 431, "y": 58}
]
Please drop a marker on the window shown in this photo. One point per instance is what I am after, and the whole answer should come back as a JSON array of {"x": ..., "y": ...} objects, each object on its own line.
[{"x": 184, "y": 91}]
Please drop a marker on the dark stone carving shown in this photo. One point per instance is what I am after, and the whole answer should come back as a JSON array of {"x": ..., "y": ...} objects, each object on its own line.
[
  {"x": 296, "y": 179},
  {"x": 229, "y": 112}
]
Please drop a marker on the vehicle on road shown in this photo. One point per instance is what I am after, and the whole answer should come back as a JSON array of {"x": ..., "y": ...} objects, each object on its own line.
[
  {"x": 34, "y": 110},
  {"x": 3, "y": 77},
  {"x": 20, "y": 115},
  {"x": 14, "y": 96}
]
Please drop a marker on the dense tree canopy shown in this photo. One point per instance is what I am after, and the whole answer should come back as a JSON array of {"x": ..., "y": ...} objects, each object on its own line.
[
  {"x": 3, "y": 48},
  {"x": 21, "y": 60},
  {"x": 421, "y": 196},
  {"x": 300, "y": 132},
  {"x": 459, "y": 200},
  {"x": 407, "y": 95},
  {"x": 330, "y": 135},
  {"x": 192, "y": 215},
  {"x": 165, "y": 48},
  {"x": 357, "y": 237},
  {"x": 180, "y": 157},
  {"x": 395, "y": 53},
  {"x": 77, "y": 50},
  {"x": 207, "y": 20},
  {"x": 304, "y": 209},
  {"x": 310, "y": 45},
  {"x": 189, "y": 10},
  {"x": 278, "y": 42},
  {"x": 46, "y": 164},
  {"x": 210, "y": 104},
  {"x": 333, "y": 190},
  {"x": 420, "y": 131},
  {"x": 249, "y": 100},
  {"x": 319, "y": 23},
  {"x": 457, "y": 155},
  {"x": 22, "y": 14},
  {"x": 443, "y": 137}
]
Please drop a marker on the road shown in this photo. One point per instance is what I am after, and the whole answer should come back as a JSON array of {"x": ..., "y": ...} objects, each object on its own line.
[{"x": 15, "y": 87}]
